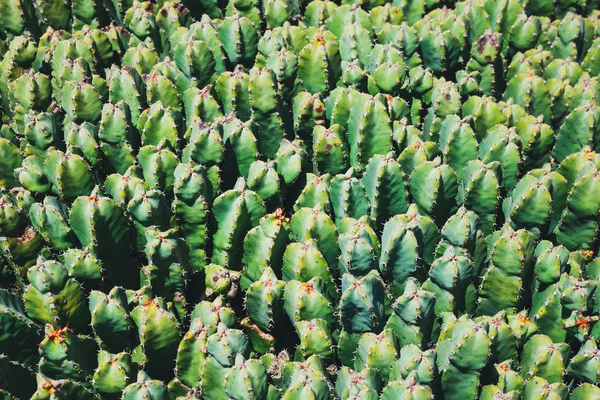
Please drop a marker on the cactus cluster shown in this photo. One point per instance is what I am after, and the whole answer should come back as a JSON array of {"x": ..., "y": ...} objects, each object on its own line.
[{"x": 284, "y": 199}]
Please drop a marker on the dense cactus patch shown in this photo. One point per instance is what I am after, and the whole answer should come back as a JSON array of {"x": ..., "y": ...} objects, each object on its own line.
[{"x": 283, "y": 199}]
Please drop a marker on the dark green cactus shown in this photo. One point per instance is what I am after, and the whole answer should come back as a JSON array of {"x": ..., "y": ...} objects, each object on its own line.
[
  {"x": 264, "y": 247},
  {"x": 362, "y": 303},
  {"x": 285, "y": 199},
  {"x": 412, "y": 320},
  {"x": 511, "y": 256},
  {"x": 54, "y": 298}
]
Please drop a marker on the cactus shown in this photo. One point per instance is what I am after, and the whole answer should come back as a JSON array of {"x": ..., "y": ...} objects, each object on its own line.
[
  {"x": 99, "y": 221},
  {"x": 445, "y": 100},
  {"x": 413, "y": 316},
  {"x": 434, "y": 188},
  {"x": 544, "y": 359},
  {"x": 384, "y": 183},
  {"x": 583, "y": 365},
  {"x": 352, "y": 384},
  {"x": 303, "y": 262},
  {"x": 249, "y": 206},
  {"x": 368, "y": 115},
  {"x": 348, "y": 196},
  {"x": 158, "y": 349},
  {"x": 145, "y": 387},
  {"x": 114, "y": 372},
  {"x": 65, "y": 355},
  {"x": 415, "y": 363},
  {"x": 458, "y": 143},
  {"x": 110, "y": 318},
  {"x": 280, "y": 199},
  {"x": 362, "y": 303},
  {"x": 62, "y": 388},
  {"x": 305, "y": 301},
  {"x": 449, "y": 279},
  {"x": 19, "y": 334},
  {"x": 69, "y": 174},
  {"x": 461, "y": 356},
  {"x": 585, "y": 391},
  {"x": 246, "y": 379},
  {"x": 359, "y": 248},
  {"x": 53, "y": 297},
  {"x": 511, "y": 260},
  {"x": 480, "y": 191},
  {"x": 264, "y": 301},
  {"x": 305, "y": 379},
  {"x": 402, "y": 250},
  {"x": 376, "y": 352},
  {"x": 577, "y": 208},
  {"x": 239, "y": 38}
]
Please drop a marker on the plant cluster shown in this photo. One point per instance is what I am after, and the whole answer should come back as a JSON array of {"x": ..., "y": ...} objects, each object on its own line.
[{"x": 293, "y": 199}]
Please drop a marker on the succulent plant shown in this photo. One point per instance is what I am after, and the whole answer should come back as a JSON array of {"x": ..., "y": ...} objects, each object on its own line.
[{"x": 285, "y": 199}]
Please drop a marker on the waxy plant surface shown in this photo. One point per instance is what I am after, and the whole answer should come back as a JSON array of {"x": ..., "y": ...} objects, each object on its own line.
[{"x": 299, "y": 200}]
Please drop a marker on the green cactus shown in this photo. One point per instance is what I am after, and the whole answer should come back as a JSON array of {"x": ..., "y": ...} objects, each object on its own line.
[
  {"x": 577, "y": 208},
  {"x": 480, "y": 191},
  {"x": 348, "y": 196},
  {"x": 578, "y": 130},
  {"x": 315, "y": 193},
  {"x": 159, "y": 337},
  {"x": 449, "y": 278},
  {"x": 264, "y": 301},
  {"x": 265, "y": 247},
  {"x": 376, "y": 352},
  {"x": 330, "y": 151},
  {"x": 65, "y": 355},
  {"x": 83, "y": 140},
  {"x": 369, "y": 130},
  {"x": 434, "y": 189},
  {"x": 41, "y": 130},
  {"x": 114, "y": 373},
  {"x": 291, "y": 160},
  {"x": 246, "y": 207},
  {"x": 158, "y": 166},
  {"x": 486, "y": 114},
  {"x": 19, "y": 333},
  {"x": 458, "y": 143},
  {"x": 350, "y": 384},
  {"x": 305, "y": 301},
  {"x": 110, "y": 318},
  {"x": 52, "y": 297},
  {"x": 445, "y": 100},
  {"x": 145, "y": 387},
  {"x": 70, "y": 174},
  {"x": 412, "y": 320},
  {"x": 511, "y": 257},
  {"x": 461, "y": 356},
  {"x": 416, "y": 363},
  {"x": 246, "y": 379},
  {"x": 303, "y": 262},
  {"x": 583, "y": 365},
  {"x": 384, "y": 183},
  {"x": 313, "y": 224},
  {"x": 359, "y": 247},
  {"x": 50, "y": 220},
  {"x": 282, "y": 199},
  {"x": 219, "y": 281},
  {"x": 402, "y": 249},
  {"x": 117, "y": 135},
  {"x": 362, "y": 303},
  {"x": 315, "y": 339},
  {"x": 99, "y": 221},
  {"x": 309, "y": 378}
]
